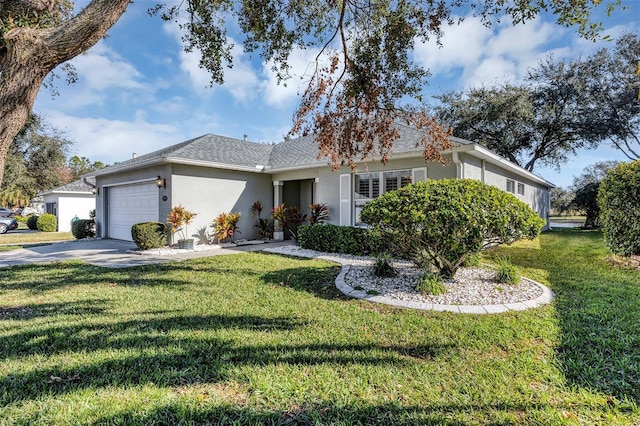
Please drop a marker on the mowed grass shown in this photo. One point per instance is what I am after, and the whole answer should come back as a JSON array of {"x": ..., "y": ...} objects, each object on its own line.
[
  {"x": 266, "y": 339},
  {"x": 24, "y": 238}
]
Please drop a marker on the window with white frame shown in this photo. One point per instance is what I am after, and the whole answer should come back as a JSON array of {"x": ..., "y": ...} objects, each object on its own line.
[
  {"x": 511, "y": 186},
  {"x": 370, "y": 185},
  {"x": 520, "y": 188}
]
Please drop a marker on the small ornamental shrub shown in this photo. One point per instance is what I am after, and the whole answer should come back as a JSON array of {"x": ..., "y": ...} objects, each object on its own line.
[
  {"x": 83, "y": 228},
  {"x": 382, "y": 267},
  {"x": 149, "y": 235},
  {"x": 264, "y": 225},
  {"x": 506, "y": 272},
  {"x": 340, "y": 239},
  {"x": 178, "y": 219},
  {"x": 319, "y": 213},
  {"x": 32, "y": 222},
  {"x": 47, "y": 223},
  {"x": 619, "y": 200},
  {"x": 448, "y": 220},
  {"x": 21, "y": 219},
  {"x": 431, "y": 284},
  {"x": 225, "y": 226}
]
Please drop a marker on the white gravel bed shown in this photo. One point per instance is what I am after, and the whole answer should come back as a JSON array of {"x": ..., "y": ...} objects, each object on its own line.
[{"x": 470, "y": 286}]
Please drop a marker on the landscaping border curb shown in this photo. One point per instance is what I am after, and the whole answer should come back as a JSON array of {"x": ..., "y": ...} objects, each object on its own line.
[{"x": 546, "y": 297}]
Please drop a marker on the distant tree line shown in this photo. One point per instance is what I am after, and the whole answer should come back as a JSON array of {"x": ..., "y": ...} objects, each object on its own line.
[{"x": 38, "y": 161}]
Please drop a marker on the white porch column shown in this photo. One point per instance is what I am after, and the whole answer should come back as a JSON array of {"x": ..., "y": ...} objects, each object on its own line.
[{"x": 277, "y": 200}]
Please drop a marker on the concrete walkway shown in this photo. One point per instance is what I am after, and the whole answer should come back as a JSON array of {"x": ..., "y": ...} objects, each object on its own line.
[{"x": 106, "y": 253}]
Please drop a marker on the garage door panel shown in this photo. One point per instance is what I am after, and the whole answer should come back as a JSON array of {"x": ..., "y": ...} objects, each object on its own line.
[{"x": 129, "y": 205}]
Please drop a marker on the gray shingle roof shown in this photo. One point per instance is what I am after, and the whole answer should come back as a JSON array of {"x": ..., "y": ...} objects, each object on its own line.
[
  {"x": 210, "y": 149},
  {"x": 222, "y": 150},
  {"x": 80, "y": 185},
  {"x": 304, "y": 151}
]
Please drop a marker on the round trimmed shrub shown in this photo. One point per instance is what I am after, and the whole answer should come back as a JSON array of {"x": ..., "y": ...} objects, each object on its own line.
[
  {"x": 619, "y": 198},
  {"x": 149, "y": 235},
  {"x": 47, "y": 223},
  {"x": 32, "y": 222},
  {"x": 439, "y": 223},
  {"x": 83, "y": 228}
]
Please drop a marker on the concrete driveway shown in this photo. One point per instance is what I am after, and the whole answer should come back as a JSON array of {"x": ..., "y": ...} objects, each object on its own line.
[{"x": 106, "y": 253}]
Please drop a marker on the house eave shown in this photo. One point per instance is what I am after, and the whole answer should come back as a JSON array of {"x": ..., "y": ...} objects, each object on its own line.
[
  {"x": 258, "y": 168},
  {"x": 485, "y": 154}
]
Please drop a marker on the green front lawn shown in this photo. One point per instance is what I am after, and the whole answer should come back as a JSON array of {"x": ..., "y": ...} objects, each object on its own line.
[
  {"x": 265, "y": 339},
  {"x": 13, "y": 237}
]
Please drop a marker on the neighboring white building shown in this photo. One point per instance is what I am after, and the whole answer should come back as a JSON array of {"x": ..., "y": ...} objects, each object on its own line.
[
  {"x": 213, "y": 174},
  {"x": 69, "y": 201}
]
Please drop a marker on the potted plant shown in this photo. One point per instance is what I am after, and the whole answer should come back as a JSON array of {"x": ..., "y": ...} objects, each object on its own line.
[
  {"x": 179, "y": 218},
  {"x": 279, "y": 215}
]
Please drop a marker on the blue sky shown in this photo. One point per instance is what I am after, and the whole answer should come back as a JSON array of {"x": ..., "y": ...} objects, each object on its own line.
[{"x": 138, "y": 91}]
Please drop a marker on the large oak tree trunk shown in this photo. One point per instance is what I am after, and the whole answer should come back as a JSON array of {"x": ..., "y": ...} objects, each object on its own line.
[{"x": 31, "y": 54}]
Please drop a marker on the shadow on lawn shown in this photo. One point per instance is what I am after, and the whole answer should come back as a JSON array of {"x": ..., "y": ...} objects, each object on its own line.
[
  {"x": 173, "y": 351},
  {"x": 43, "y": 277},
  {"x": 312, "y": 414},
  {"x": 598, "y": 307}
]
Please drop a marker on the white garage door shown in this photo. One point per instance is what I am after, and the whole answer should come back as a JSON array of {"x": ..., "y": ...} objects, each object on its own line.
[{"x": 131, "y": 204}]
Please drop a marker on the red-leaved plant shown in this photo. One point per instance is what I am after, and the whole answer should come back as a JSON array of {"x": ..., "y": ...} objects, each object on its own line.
[{"x": 179, "y": 218}]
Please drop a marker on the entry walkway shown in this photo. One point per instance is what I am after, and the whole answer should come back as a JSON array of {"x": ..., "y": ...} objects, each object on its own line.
[{"x": 107, "y": 253}]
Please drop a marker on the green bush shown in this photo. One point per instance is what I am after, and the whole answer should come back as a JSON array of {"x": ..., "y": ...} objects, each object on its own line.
[
  {"x": 619, "y": 198},
  {"x": 506, "y": 272},
  {"x": 382, "y": 267},
  {"x": 149, "y": 235},
  {"x": 431, "y": 284},
  {"x": 21, "y": 219},
  {"x": 32, "y": 222},
  {"x": 47, "y": 223},
  {"x": 448, "y": 220},
  {"x": 340, "y": 239},
  {"x": 83, "y": 228}
]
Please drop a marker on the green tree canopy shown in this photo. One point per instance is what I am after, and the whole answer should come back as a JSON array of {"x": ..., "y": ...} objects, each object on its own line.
[
  {"x": 79, "y": 166},
  {"x": 561, "y": 106},
  {"x": 36, "y": 162},
  {"x": 363, "y": 81}
]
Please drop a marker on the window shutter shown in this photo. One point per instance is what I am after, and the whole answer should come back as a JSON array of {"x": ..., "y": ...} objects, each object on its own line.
[
  {"x": 419, "y": 174},
  {"x": 345, "y": 200}
]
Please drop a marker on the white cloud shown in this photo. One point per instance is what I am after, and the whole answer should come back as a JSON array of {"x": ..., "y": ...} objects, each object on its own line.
[
  {"x": 302, "y": 63},
  {"x": 102, "y": 69},
  {"x": 462, "y": 46},
  {"x": 110, "y": 141},
  {"x": 481, "y": 55}
]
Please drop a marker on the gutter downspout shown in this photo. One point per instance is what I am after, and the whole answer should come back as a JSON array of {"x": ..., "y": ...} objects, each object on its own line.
[{"x": 459, "y": 165}]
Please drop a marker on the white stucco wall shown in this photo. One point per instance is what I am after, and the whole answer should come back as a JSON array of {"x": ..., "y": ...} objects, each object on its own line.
[
  {"x": 210, "y": 192},
  {"x": 69, "y": 206},
  {"x": 328, "y": 187}
]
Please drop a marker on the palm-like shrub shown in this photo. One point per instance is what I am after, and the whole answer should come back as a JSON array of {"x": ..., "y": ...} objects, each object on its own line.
[
  {"x": 178, "y": 219},
  {"x": 225, "y": 226},
  {"x": 440, "y": 223}
]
